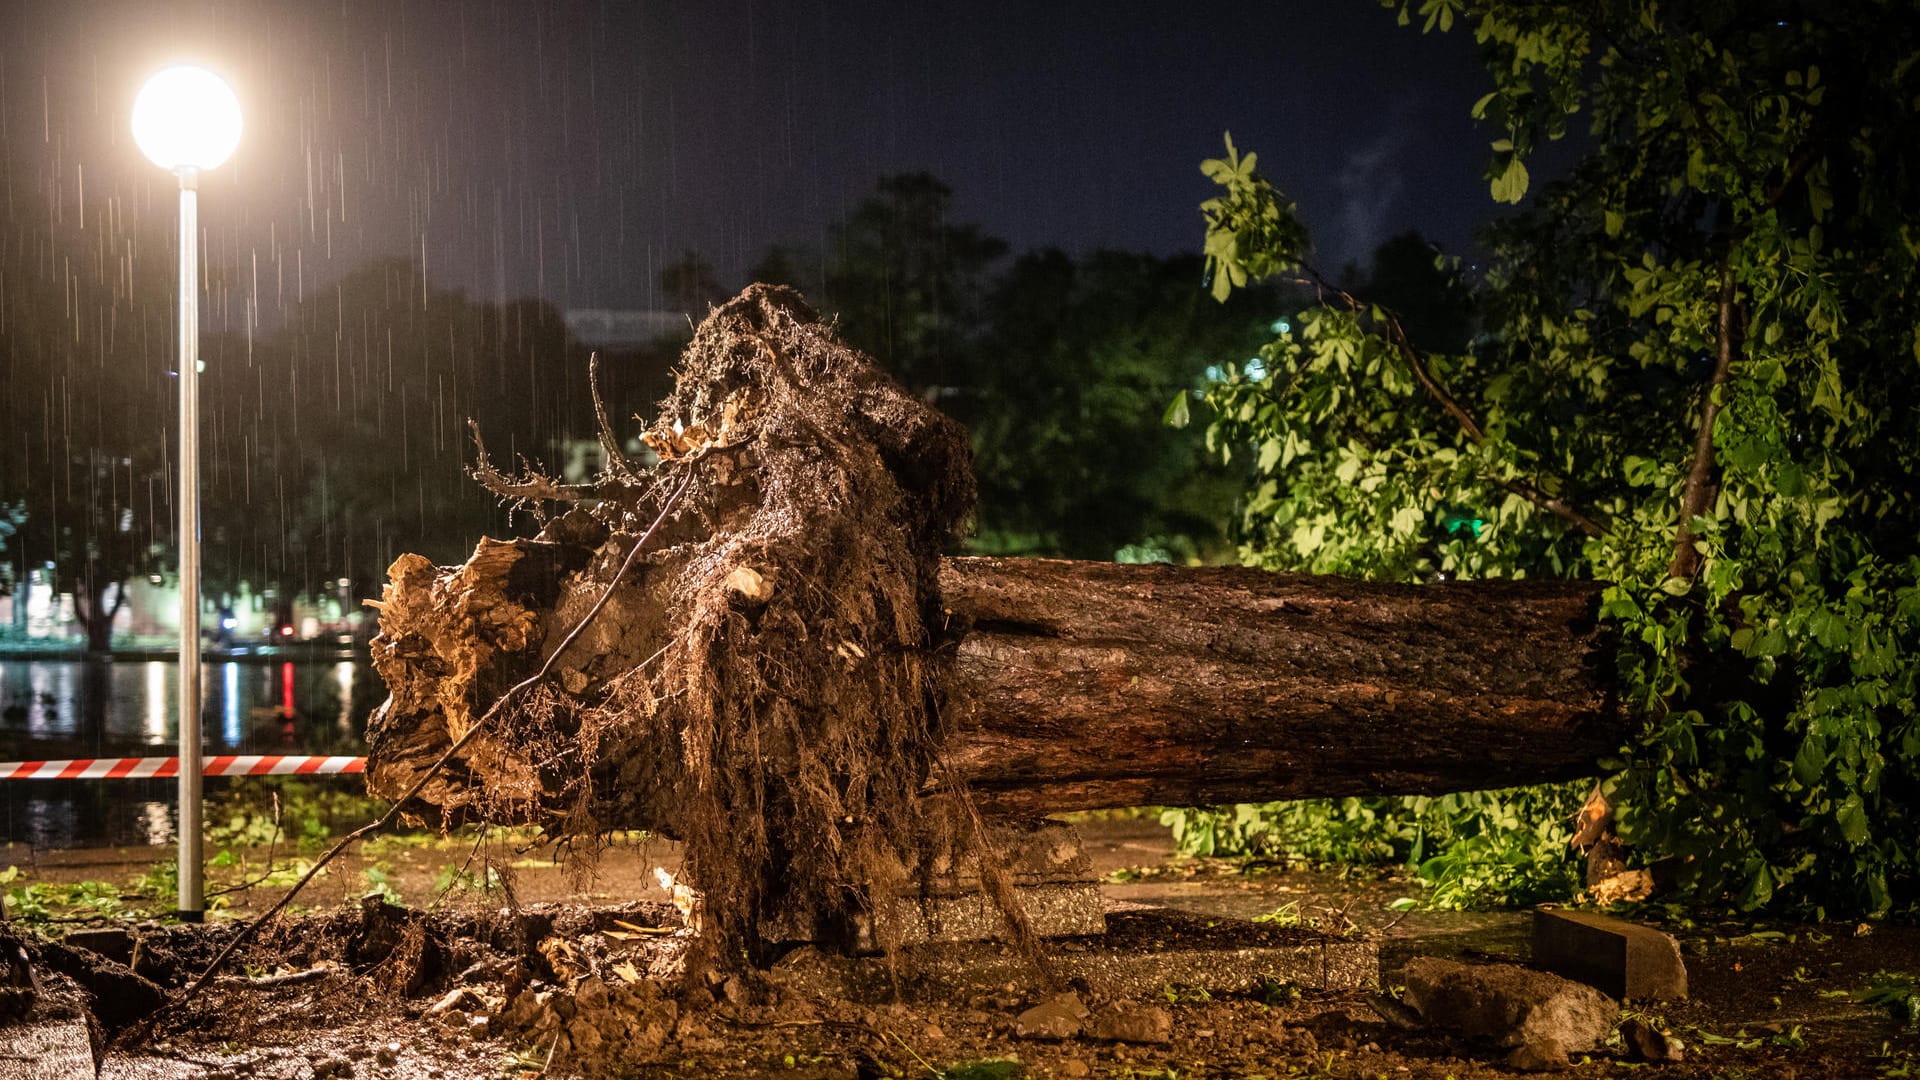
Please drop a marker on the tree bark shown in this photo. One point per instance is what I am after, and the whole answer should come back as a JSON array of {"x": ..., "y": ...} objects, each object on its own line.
[
  {"x": 1079, "y": 686},
  {"x": 1087, "y": 685}
]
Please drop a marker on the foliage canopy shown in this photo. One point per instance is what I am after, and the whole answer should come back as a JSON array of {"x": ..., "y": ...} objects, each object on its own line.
[{"x": 1697, "y": 376}]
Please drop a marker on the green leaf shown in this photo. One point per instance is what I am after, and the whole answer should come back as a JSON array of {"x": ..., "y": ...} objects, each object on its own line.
[
  {"x": 1697, "y": 169},
  {"x": 1852, "y": 819},
  {"x": 1511, "y": 185},
  {"x": 1177, "y": 414},
  {"x": 1759, "y": 888},
  {"x": 1810, "y": 761}
]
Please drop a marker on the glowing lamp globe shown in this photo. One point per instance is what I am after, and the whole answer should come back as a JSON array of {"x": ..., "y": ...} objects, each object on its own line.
[{"x": 186, "y": 118}]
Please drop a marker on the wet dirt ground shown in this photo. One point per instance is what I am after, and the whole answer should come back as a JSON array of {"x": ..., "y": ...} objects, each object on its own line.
[{"x": 1767, "y": 1000}]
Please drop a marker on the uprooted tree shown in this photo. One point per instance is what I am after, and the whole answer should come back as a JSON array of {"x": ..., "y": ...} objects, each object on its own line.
[{"x": 774, "y": 663}]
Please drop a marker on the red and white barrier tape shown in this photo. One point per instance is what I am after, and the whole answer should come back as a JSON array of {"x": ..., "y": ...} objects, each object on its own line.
[{"x": 137, "y": 768}]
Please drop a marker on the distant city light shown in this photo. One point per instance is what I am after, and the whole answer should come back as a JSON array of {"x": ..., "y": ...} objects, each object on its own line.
[
  {"x": 1282, "y": 326},
  {"x": 1256, "y": 368}
]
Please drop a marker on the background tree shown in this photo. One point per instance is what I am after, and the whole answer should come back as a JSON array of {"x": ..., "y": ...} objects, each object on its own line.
[
  {"x": 1697, "y": 379},
  {"x": 1064, "y": 395},
  {"x": 1059, "y": 366},
  {"x": 689, "y": 285},
  {"x": 786, "y": 264},
  {"x": 341, "y": 440},
  {"x": 1412, "y": 278},
  {"x": 907, "y": 283},
  {"x": 86, "y": 372}
]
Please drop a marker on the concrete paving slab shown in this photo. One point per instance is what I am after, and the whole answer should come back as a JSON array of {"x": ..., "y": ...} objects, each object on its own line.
[{"x": 46, "y": 1050}]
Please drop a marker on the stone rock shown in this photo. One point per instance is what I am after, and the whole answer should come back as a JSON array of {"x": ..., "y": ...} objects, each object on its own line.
[
  {"x": 1538, "y": 1055},
  {"x": 1059, "y": 1017},
  {"x": 1075, "y": 1067},
  {"x": 1134, "y": 1024},
  {"x": 1649, "y": 1043},
  {"x": 1507, "y": 1004},
  {"x": 1619, "y": 958}
]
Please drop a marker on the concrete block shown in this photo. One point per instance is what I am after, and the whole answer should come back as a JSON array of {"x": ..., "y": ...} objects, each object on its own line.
[{"x": 1616, "y": 957}]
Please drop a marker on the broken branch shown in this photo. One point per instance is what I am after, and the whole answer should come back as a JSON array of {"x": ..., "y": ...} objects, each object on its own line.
[{"x": 530, "y": 487}]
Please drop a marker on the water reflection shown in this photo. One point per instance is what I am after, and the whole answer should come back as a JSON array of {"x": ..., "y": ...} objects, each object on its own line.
[
  {"x": 344, "y": 674},
  {"x": 230, "y": 693},
  {"x": 100, "y": 705},
  {"x": 99, "y": 708},
  {"x": 156, "y": 702}
]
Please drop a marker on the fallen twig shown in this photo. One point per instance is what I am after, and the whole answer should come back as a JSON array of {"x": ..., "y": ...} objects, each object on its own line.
[{"x": 273, "y": 845}]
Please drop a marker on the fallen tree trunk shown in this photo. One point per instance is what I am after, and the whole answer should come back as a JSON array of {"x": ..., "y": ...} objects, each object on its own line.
[
  {"x": 1088, "y": 685},
  {"x": 1078, "y": 685}
]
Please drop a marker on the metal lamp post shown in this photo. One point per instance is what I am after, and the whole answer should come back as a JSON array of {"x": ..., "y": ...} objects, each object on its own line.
[{"x": 187, "y": 120}]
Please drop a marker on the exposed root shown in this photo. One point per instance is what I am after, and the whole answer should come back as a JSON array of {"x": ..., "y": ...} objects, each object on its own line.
[{"x": 767, "y": 689}]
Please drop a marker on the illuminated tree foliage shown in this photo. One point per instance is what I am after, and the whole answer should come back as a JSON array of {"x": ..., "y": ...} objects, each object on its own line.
[{"x": 1697, "y": 376}]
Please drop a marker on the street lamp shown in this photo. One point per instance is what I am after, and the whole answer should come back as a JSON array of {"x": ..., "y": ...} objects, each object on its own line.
[{"x": 186, "y": 120}]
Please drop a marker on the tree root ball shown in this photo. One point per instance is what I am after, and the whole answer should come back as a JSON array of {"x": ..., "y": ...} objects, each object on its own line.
[{"x": 762, "y": 682}]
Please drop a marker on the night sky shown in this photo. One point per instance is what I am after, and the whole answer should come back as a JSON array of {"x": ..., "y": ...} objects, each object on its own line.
[{"x": 570, "y": 150}]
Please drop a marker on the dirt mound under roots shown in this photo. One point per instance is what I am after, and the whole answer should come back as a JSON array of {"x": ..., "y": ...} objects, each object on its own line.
[{"x": 758, "y": 670}]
